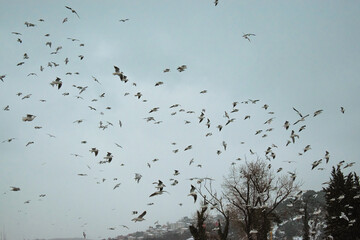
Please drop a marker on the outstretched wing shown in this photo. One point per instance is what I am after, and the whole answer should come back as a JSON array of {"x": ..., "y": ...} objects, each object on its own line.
[
  {"x": 142, "y": 215},
  {"x": 297, "y": 112}
]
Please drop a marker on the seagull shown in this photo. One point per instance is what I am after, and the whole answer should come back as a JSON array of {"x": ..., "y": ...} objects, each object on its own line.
[
  {"x": 72, "y": 10},
  {"x": 138, "y": 95},
  {"x": 286, "y": 125},
  {"x": 343, "y": 216},
  {"x": 95, "y": 79},
  {"x": 182, "y": 68},
  {"x": 302, "y": 128},
  {"x": 78, "y": 121},
  {"x": 28, "y": 118},
  {"x": 124, "y": 20},
  {"x": 160, "y": 192},
  {"x": 342, "y": 110},
  {"x": 15, "y": 189},
  {"x": 7, "y": 108},
  {"x": 293, "y": 135},
  {"x": 315, "y": 164},
  {"x": 2, "y": 77},
  {"x": 137, "y": 177},
  {"x": 216, "y": 2},
  {"x": 27, "y": 96},
  {"x": 109, "y": 156},
  {"x": 48, "y": 44},
  {"x": 166, "y": 70},
  {"x": 120, "y": 74},
  {"x": 301, "y": 119},
  {"x": 95, "y": 151},
  {"x": 118, "y": 145},
  {"x": 160, "y": 185},
  {"x": 116, "y": 186},
  {"x": 57, "y": 82},
  {"x": 307, "y": 148},
  {"x": 349, "y": 165},
  {"x": 317, "y": 212},
  {"x": 317, "y": 112},
  {"x": 224, "y": 145},
  {"x": 29, "y": 24},
  {"x": 193, "y": 193},
  {"x": 247, "y": 35},
  {"x": 155, "y": 109},
  {"x": 139, "y": 218},
  {"x": 327, "y": 156},
  {"x": 188, "y": 148}
]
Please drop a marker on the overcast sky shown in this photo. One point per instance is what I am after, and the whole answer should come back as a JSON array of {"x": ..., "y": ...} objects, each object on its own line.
[{"x": 304, "y": 54}]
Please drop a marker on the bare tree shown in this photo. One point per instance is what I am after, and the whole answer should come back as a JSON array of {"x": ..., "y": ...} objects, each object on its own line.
[
  {"x": 253, "y": 192},
  {"x": 199, "y": 231},
  {"x": 218, "y": 204}
]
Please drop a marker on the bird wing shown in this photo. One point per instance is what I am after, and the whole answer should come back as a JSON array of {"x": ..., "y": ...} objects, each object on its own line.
[
  {"x": 297, "y": 112},
  {"x": 142, "y": 215}
]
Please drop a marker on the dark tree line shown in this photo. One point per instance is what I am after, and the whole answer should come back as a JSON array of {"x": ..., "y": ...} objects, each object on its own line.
[{"x": 343, "y": 206}]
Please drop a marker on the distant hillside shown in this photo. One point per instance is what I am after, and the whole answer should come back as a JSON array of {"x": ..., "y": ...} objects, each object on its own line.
[{"x": 64, "y": 239}]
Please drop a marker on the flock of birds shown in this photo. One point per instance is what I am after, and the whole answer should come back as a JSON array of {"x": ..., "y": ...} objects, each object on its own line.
[{"x": 231, "y": 116}]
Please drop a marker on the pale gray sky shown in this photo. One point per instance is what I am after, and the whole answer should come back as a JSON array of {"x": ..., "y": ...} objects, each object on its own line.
[{"x": 305, "y": 55}]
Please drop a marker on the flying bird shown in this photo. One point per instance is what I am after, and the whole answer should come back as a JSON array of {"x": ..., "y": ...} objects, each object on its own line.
[
  {"x": 95, "y": 151},
  {"x": 73, "y": 11},
  {"x": 137, "y": 177},
  {"x": 15, "y": 189},
  {"x": 248, "y": 35},
  {"x": 193, "y": 193},
  {"x": 57, "y": 82},
  {"x": 139, "y": 218},
  {"x": 182, "y": 68},
  {"x": 327, "y": 156},
  {"x": 120, "y": 74},
  {"x": 188, "y": 148},
  {"x": 315, "y": 164},
  {"x": 108, "y": 157},
  {"x": 301, "y": 119},
  {"x": 317, "y": 112},
  {"x": 28, "y": 118}
]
